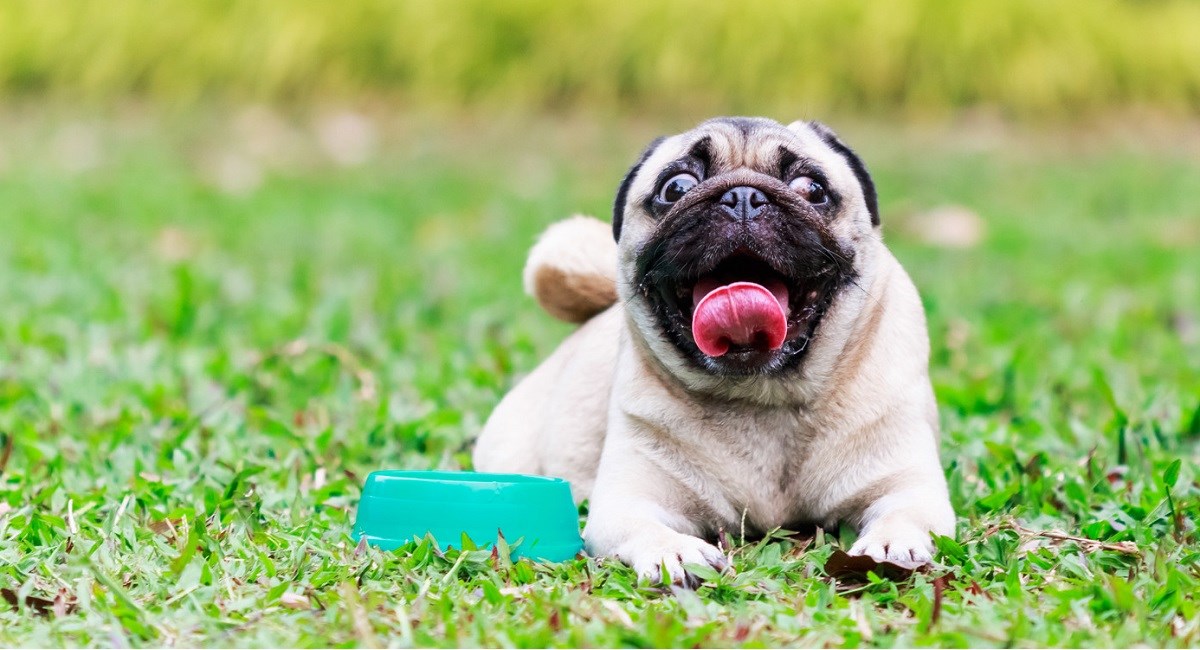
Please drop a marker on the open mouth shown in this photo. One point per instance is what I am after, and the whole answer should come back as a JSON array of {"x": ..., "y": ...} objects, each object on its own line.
[{"x": 745, "y": 315}]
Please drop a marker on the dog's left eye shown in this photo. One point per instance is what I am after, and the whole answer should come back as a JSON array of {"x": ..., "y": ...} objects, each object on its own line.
[
  {"x": 676, "y": 187},
  {"x": 809, "y": 189}
]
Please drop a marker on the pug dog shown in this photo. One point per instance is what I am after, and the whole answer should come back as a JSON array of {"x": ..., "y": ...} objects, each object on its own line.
[{"x": 750, "y": 356}]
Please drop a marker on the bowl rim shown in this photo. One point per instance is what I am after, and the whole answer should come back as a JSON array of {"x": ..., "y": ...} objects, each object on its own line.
[{"x": 435, "y": 477}]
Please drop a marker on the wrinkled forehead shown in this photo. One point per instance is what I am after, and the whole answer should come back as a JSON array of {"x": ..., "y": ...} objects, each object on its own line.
[{"x": 727, "y": 144}]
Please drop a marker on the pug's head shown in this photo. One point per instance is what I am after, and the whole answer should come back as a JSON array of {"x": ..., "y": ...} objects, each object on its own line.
[{"x": 737, "y": 239}]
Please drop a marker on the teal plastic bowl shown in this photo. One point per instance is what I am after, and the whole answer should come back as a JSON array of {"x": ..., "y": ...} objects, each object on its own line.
[{"x": 399, "y": 505}]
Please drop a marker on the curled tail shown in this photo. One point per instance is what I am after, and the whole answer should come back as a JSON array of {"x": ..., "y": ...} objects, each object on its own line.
[{"x": 572, "y": 269}]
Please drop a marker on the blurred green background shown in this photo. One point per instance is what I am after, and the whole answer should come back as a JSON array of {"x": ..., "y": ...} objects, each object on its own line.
[{"x": 1025, "y": 58}]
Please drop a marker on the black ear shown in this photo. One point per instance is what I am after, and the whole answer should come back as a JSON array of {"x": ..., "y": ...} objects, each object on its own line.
[
  {"x": 623, "y": 190},
  {"x": 856, "y": 165}
]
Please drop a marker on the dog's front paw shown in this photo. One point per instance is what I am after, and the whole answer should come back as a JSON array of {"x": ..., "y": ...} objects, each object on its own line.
[
  {"x": 662, "y": 558},
  {"x": 897, "y": 542}
]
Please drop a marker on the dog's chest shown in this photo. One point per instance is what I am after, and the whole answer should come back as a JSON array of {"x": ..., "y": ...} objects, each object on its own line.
[{"x": 753, "y": 464}]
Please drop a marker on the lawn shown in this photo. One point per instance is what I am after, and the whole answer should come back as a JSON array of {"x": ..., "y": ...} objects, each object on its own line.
[{"x": 213, "y": 327}]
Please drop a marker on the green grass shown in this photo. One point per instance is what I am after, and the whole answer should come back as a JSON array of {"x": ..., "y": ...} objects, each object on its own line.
[
  {"x": 194, "y": 382},
  {"x": 1027, "y": 58}
]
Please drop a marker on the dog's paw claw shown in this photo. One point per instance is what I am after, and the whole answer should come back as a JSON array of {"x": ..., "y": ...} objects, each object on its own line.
[
  {"x": 908, "y": 545},
  {"x": 664, "y": 561}
]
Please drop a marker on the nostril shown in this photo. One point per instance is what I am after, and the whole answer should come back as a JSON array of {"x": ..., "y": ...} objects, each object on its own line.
[
  {"x": 758, "y": 199},
  {"x": 730, "y": 198}
]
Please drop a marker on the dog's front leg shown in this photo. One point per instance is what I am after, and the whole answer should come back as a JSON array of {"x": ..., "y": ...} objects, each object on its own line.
[
  {"x": 638, "y": 514},
  {"x": 896, "y": 526}
]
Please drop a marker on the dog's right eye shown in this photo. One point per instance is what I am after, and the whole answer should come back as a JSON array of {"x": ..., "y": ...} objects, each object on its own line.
[{"x": 676, "y": 187}]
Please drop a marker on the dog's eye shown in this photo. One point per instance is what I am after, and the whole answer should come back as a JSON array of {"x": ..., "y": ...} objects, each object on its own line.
[
  {"x": 674, "y": 189},
  {"x": 809, "y": 189}
]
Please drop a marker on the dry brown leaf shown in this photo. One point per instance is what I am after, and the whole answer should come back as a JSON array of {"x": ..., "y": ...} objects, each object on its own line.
[
  {"x": 939, "y": 587},
  {"x": 165, "y": 527},
  {"x": 60, "y": 606},
  {"x": 855, "y": 567},
  {"x": 6, "y": 450}
]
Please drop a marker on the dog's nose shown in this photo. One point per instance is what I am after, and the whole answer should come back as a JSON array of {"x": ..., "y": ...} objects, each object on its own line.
[{"x": 744, "y": 203}]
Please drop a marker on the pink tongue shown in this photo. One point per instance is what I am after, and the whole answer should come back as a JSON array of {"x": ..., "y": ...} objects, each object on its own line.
[{"x": 741, "y": 314}]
